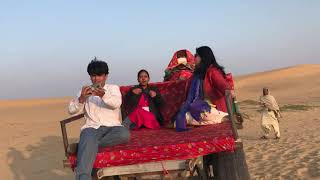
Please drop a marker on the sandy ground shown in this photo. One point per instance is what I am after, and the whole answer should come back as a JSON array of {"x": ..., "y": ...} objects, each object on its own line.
[{"x": 31, "y": 145}]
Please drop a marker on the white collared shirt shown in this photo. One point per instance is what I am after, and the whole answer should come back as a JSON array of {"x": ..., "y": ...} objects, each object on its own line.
[{"x": 98, "y": 111}]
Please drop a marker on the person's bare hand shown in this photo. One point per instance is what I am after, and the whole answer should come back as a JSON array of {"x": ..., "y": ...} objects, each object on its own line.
[
  {"x": 152, "y": 94},
  {"x": 85, "y": 92},
  {"x": 232, "y": 93},
  {"x": 137, "y": 91},
  {"x": 98, "y": 92}
]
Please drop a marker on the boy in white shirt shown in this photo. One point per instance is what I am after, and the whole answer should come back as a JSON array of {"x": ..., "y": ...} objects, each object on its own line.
[{"x": 101, "y": 105}]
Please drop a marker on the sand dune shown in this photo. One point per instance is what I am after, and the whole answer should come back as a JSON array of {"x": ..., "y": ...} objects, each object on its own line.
[
  {"x": 31, "y": 102},
  {"x": 294, "y": 84},
  {"x": 31, "y": 146},
  {"x": 30, "y": 140}
]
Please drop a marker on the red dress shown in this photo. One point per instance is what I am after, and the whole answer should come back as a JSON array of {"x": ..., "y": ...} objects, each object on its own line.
[
  {"x": 215, "y": 85},
  {"x": 142, "y": 117}
]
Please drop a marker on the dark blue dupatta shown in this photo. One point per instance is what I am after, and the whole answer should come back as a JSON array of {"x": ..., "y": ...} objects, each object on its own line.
[{"x": 194, "y": 104}]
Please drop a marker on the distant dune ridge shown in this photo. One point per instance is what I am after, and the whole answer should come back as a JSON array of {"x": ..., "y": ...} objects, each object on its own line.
[
  {"x": 32, "y": 102},
  {"x": 31, "y": 144},
  {"x": 298, "y": 83}
]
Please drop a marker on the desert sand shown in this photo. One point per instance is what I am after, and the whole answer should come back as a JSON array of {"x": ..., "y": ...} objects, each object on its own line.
[{"x": 31, "y": 145}]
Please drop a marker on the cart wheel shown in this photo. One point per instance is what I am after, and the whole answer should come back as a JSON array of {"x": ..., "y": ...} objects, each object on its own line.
[
  {"x": 229, "y": 165},
  {"x": 116, "y": 177},
  {"x": 202, "y": 175}
]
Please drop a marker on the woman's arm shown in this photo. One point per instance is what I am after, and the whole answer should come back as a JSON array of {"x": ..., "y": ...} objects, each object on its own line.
[
  {"x": 218, "y": 81},
  {"x": 158, "y": 100},
  {"x": 112, "y": 97},
  {"x": 131, "y": 98}
]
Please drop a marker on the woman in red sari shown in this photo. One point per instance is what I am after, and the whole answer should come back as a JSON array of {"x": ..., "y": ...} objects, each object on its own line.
[
  {"x": 181, "y": 66},
  {"x": 143, "y": 102}
]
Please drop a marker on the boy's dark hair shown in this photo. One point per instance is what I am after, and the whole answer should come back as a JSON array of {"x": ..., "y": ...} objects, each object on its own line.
[
  {"x": 143, "y": 70},
  {"x": 97, "y": 67}
]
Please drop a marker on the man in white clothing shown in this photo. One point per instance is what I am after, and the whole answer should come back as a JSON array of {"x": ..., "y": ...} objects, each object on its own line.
[
  {"x": 101, "y": 106},
  {"x": 269, "y": 115}
]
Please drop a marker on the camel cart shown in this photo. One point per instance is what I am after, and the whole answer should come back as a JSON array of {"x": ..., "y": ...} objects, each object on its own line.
[{"x": 206, "y": 152}]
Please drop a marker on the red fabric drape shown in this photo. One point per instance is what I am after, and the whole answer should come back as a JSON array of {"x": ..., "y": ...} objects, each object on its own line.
[{"x": 183, "y": 73}]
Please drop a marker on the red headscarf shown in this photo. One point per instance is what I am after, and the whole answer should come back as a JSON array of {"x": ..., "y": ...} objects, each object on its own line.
[
  {"x": 172, "y": 73},
  {"x": 174, "y": 60}
]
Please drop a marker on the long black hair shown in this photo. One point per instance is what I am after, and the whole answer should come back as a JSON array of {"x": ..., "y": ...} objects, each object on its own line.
[{"x": 207, "y": 58}]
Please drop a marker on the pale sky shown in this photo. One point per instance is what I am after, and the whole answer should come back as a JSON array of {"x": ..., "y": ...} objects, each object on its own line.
[{"x": 45, "y": 46}]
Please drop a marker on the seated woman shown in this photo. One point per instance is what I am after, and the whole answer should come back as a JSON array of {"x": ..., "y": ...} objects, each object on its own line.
[
  {"x": 205, "y": 103},
  {"x": 181, "y": 66},
  {"x": 143, "y": 103}
]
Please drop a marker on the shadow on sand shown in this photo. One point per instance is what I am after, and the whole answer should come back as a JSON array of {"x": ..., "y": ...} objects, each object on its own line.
[{"x": 40, "y": 161}]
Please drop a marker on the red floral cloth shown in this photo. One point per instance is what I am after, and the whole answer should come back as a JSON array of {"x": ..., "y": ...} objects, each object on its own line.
[
  {"x": 181, "y": 74},
  {"x": 141, "y": 117},
  {"x": 148, "y": 145}
]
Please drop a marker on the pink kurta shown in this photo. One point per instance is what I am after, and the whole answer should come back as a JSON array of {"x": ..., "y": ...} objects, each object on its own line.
[{"x": 142, "y": 117}]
